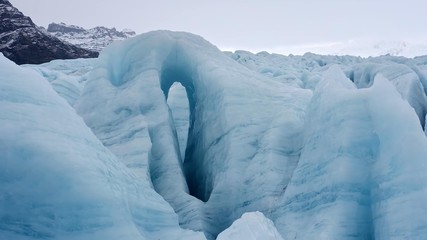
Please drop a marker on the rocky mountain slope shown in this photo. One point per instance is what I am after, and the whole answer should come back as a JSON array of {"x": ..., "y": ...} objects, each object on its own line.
[
  {"x": 23, "y": 42},
  {"x": 94, "y": 39}
]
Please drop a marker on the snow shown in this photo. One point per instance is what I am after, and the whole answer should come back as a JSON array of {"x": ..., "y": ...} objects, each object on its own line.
[
  {"x": 359, "y": 47},
  {"x": 95, "y": 39},
  {"x": 58, "y": 181},
  {"x": 177, "y": 132},
  {"x": 251, "y": 226}
]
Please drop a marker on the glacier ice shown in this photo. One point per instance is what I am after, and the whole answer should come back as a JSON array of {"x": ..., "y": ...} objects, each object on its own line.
[
  {"x": 357, "y": 177},
  {"x": 67, "y": 77},
  {"x": 408, "y": 75},
  {"x": 406, "y": 80},
  {"x": 57, "y": 181},
  {"x": 248, "y": 134},
  {"x": 178, "y": 103},
  {"x": 251, "y": 226},
  {"x": 326, "y": 147},
  {"x": 238, "y": 120}
]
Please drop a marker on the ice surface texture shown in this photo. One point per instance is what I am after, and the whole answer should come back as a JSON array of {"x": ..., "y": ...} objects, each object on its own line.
[
  {"x": 249, "y": 135},
  {"x": 408, "y": 75},
  {"x": 57, "y": 180},
  {"x": 361, "y": 174},
  {"x": 325, "y": 147},
  {"x": 67, "y": 77},
  {"x": 251, "y": 226},
  {"x": 243, "y": 138}
]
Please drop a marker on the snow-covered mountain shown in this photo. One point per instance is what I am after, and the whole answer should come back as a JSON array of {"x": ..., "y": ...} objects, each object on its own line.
[
  {"x": 164, "y": 137},
  {"x": 94, "y": 39},
  {"x": 362, "y": 48},
  {"x": 23, "y": 42}
]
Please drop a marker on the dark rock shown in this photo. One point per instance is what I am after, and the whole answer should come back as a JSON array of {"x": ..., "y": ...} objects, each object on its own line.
[
  {"x": 55, "y": 27},
  {"x": 23, "y": 42}
]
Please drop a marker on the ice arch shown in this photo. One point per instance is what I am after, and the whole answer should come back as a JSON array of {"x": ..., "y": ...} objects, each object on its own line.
[
  {"x": 197, "y": 178},
  {"x": 57, "y": 181},
  {"x": 245, "y": 130}
]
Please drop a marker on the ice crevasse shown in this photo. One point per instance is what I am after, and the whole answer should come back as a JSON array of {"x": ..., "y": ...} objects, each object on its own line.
[{"x": 175, "y": 131}]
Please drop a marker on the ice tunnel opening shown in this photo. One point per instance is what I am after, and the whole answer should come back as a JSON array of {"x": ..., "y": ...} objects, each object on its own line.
[
  {"x": 172, "y": 79},
  {"x": 179, "y": 108}
]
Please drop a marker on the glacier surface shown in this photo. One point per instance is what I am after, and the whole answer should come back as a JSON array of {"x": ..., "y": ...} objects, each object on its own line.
[
  {"x": 58, "y": 181},
  {"x": 177, "y": 132},
  {"x": 238, "y": 120}
]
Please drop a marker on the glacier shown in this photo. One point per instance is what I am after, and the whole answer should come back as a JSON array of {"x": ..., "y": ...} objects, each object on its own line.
[
  {"x": 237, "y": 121},
  {"x": 57, "y": 179},
  {"x": 354, "y": 170},
  {"x": 166, "y": 137}
]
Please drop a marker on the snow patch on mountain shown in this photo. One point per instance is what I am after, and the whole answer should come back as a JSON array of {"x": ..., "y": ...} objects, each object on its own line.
[
  {"x": 23, "y": 42},
  {"x": 362, "y": 48},
  {"x": 94, "y": 39}
]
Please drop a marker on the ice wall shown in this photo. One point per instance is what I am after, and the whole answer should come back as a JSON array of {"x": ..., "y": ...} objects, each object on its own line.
[{"x": 357, "y": 178}]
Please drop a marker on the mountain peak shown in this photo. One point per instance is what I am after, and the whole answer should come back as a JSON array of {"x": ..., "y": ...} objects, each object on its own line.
[
  {"x": 62, "y": 27},
  {"x": 23, "y": 42},
  {"x": 94, "y": 39}
]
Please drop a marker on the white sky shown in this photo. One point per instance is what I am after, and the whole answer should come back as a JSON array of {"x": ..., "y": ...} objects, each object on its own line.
[{"x": 247, "y": 24}]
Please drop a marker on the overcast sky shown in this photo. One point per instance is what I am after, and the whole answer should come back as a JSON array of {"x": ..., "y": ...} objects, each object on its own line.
[{"x": 247, "y": 24}]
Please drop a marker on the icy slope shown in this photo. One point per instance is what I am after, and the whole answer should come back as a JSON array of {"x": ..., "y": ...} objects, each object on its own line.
[
  {"x": 57, "y": 181},
  {"x": 67, "y": 77}
]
